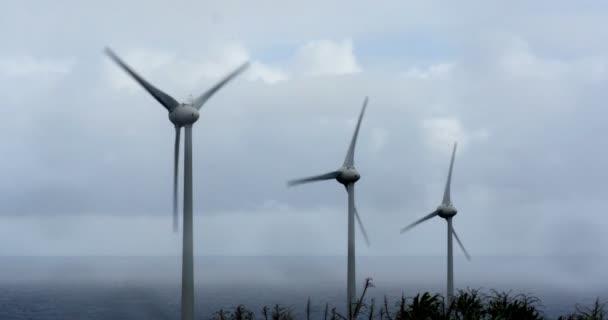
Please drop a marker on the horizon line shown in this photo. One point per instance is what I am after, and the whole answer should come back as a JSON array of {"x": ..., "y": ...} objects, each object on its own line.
[{"x": 296, "y": 256}]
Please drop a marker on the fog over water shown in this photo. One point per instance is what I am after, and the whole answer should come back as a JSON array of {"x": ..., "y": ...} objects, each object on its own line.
[
  {"x": 132, "y": 287},
  {"x": 561, "y": 273}
]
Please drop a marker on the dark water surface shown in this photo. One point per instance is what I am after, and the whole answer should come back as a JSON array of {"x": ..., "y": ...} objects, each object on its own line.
[{"x": 149, "y": 287}]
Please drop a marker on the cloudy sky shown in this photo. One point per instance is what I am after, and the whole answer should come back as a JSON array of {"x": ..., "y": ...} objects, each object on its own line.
[{"x": 87, "y": 154}]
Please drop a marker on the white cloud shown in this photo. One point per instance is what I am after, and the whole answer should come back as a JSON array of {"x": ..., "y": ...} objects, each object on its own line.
[
  {"x": 326, "y": 57},
  {"x": 146, "y": 63},
  {"x": 595, "y": 68},
  {"x": 380, "y": 137},
  {"x": 187, "y": 73},
  {"x": 266, "y": 73},
  {"x": 221, "y": 59},
  {"x": 443, "y": 132},
  {"x": 435, "y": 71},
  {"x": 519, "y": 60},
  {"x": 315, "y": 58},
  {"x": 28, "y": 66}
]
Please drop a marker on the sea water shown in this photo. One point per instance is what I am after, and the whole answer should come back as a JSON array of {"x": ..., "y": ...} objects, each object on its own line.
[{"x": 93, "y": 288}]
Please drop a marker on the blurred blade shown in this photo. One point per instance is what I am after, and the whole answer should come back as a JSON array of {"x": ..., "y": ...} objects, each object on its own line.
[
  {"x": 349, "y": 161},
  {"x": 166, "y": 100},
  {"x": 427, "y": 217},
  {"x": 175, "y": 174},
  {"x": 461, "y": 245},
  {"x": 446, "y": 193},
  {"x": 359, "y": 219},
  {"x": 361, "y": 227},
  {"x": 325, "y": 176},
  {"x": 198, "y": 103}
]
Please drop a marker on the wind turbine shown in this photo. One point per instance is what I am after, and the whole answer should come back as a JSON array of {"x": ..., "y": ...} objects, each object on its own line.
[
  {"x": 447, "y": 211},
  {"x": 182, "y": 115},
  {"x": 346, "y": 175}
]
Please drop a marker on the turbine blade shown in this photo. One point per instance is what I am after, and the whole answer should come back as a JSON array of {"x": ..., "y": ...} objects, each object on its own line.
[
  {"x": 461, "y": 245},
  {"x": 198, "y": 103},
  {"x": 427, "y": 217},
  {"x": 175, "y": 174},
  {"x": 166, "y": 100},
  {"x": 325, "y": 176},
  {"x": 349, "y": 161},
  {"x": 359, "y": 221},
  {"x": 446, "y": 193},
  {"x": 361, "y": 227}
]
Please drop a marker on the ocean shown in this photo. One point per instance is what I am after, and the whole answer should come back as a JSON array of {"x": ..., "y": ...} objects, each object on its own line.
[{"x": 66, "y": 288}]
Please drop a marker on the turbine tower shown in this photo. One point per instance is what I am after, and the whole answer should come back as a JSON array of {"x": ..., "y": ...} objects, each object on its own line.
[
  {"x": 346, "y": 175},
  {"x": 447, "y": 211},
  {"x": 182, "y": 115}
]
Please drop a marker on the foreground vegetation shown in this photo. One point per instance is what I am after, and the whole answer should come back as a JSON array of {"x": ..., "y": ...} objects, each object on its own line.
[{"x": 470, "y": 304}]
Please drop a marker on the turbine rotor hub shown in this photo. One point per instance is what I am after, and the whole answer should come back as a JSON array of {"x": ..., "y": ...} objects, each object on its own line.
[
  {"x": 183, "y": 115},
  {"x": 446, "y": 211},
  {"x": 348, "y": 175}
]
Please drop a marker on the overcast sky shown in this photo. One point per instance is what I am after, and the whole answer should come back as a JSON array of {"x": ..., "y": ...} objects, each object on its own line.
[{"x": 87, "y": 154}]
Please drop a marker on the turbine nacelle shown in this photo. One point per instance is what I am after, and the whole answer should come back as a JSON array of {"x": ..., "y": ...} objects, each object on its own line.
[
  {"x": 446, "y": 211},
  {"x": 348, "y": 175},
  {"x": 184, "y": 115}
]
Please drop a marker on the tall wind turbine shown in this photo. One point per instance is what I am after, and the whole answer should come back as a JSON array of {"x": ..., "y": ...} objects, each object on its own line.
[
  {"x": 447, "y": 211},
  {"x": 182, "y": 115},
  {"x": 346, "y": 175}
]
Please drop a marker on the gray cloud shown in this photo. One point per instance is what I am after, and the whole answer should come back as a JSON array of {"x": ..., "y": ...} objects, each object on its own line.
[{"x": 523, "y": 94}]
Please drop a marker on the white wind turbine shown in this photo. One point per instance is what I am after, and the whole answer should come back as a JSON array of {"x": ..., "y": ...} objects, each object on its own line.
[
  {"x": 182, "y": 115},
  {"x": 447, "y": 211},
  {"x": 346, "y": 175}
]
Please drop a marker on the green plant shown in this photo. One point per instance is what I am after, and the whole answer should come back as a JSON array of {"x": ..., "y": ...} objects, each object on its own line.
[
  {"x": 596, "y": 312},
  {"x": 360, "y": 303},
  {"x": 370, "y": 312},
  {"x": 386, "y": 311},
  {"x": 221, "y": 315},
  {"x": 425, "y": 307},
  {"x": 241, "y": 313},
  {"x": 421, "y": 307},
  {"x": 281, "y": 313},
  {"x": 467, "y": 305},
  {"x": 308, "y": 309},
  {"x": 238, "y": 313},
  {"x": 334, "y": 314},
  {"x": 504, "y": 306},
  {"x": 401, "y": 313}
]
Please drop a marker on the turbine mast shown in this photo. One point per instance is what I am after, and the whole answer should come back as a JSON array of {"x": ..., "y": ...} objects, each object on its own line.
[
  {"x": 351, "y": 275},
  {"x": 450, "y": 292},
  {"x": 347, "y": 175},
  {"x": 175, "y": 173},
  {"x": 188, "y": 249}
]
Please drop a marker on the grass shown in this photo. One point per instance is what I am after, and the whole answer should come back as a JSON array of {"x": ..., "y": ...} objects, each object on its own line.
[{"x": 469, "y": 304}]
